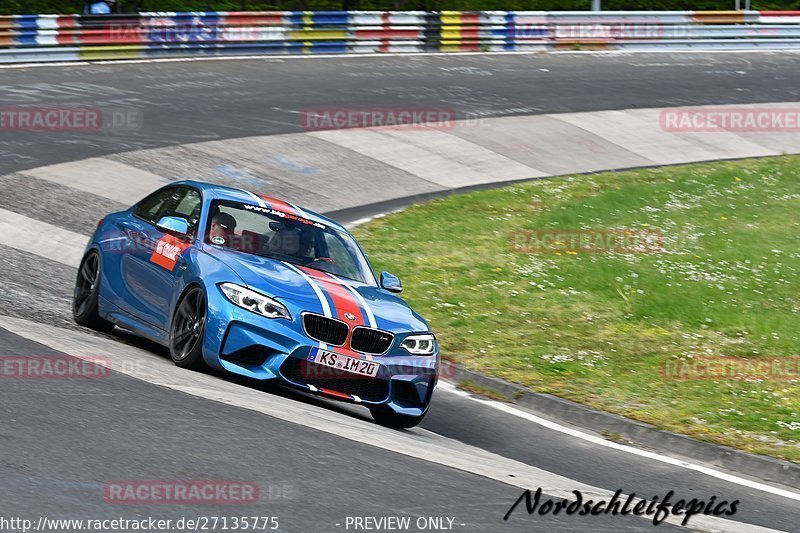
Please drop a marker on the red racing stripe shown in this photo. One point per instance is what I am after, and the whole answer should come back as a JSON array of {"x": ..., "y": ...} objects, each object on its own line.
[
  {"x": 343, "y": 301},
  {"x": 334, "y": 393},
  {"x": 280, "y": 205}
]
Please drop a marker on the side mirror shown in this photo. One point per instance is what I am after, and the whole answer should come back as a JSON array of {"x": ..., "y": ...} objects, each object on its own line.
[
  {"x": 390, "y": 282},
  {"x": 175, "y": 225}
]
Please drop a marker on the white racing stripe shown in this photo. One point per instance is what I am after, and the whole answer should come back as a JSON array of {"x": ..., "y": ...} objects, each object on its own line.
[
  {"x": 420, "y": 444},
  {"x": 42, "y": 239},
  {"x": 449, "y": 387},
  {"x": 263, "y": 204},
  {"x": 364, "y": 306},
  {"x": 326, "y": 308},
  {"x": 66, "y": 247},
  {"x": 367, "y": 309},
  {"x": 299, "y": 210},
  {"x": 258, "y": 199},
  {"x": 51, "y": 242}
]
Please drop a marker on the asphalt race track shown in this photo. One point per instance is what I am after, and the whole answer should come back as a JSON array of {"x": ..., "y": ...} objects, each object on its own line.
[
  {"x": 316, "y": 462},
  {"x": 183, "y": 102}
]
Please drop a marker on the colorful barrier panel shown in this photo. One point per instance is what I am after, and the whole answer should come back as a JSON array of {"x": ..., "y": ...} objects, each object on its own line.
[{"x": 42, "y": 38}]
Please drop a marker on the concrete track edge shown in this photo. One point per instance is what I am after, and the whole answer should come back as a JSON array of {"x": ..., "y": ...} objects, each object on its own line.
[
  {"x": 631, "y": 431},
  {"x": 463, "y": 159}
]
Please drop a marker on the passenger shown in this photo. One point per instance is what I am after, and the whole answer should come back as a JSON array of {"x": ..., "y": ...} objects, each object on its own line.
[{"x": 222, "y": 229}]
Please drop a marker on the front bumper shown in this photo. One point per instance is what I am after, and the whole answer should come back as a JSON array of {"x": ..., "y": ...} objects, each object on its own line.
[{"x": 247, "y": 344}]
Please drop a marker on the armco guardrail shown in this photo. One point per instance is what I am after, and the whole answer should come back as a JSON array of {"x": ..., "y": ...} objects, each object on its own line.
[{"x": 38, "y": 38}]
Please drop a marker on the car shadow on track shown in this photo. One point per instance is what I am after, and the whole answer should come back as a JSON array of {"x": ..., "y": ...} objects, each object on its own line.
[{"x": 269, "y": 387}]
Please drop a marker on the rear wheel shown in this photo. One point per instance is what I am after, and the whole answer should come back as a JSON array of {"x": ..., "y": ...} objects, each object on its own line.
[
  {"x": 386, "y": 417},
  {"x": 87, "y": 294},
  {"x": 187, "y": 330}
]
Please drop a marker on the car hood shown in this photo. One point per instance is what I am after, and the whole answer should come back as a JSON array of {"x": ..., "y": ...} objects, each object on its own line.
[{"x": 284, "y": 282}]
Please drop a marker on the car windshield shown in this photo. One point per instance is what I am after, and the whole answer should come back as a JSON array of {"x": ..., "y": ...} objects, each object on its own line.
[{"x": 256, "y": 230}]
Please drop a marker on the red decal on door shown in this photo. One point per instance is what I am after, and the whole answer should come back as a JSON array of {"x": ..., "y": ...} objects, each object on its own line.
[{"x": 167, "y": 252}]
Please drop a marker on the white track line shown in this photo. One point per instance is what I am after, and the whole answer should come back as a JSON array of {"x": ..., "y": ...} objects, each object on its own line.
[
  {"x": 418, "y": 443},
  {"x": 449, "y": 387},
  {"x": 46, "y": 240}
]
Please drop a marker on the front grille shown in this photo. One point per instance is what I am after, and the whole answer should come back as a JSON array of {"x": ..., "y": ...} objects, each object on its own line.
[
  {"x": 325, "y": 329},
  {"x": 372, "y": 341},
  {"x": 366, "y": 388}
]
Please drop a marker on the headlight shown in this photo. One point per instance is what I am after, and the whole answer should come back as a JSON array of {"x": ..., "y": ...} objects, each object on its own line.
[
  {"x": 424, "y": 344},
  {"x": 255, "y": 302}
]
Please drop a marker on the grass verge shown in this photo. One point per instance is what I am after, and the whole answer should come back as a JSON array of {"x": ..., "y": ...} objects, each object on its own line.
[{"x": 618, "y": 330}]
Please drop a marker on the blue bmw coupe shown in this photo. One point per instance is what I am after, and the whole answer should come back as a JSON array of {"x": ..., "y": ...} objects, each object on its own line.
[{"x": 256, "y": 286}]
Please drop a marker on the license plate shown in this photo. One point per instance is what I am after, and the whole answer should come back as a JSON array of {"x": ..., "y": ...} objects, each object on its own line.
[{"x": 344, "y": 363}]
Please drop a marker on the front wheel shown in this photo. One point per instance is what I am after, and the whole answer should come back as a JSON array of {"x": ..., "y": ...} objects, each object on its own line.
[
  {"x": 386, "y": 417},
  {"x": 187, "y": 330},
  {"x": 87, "y": 294}
]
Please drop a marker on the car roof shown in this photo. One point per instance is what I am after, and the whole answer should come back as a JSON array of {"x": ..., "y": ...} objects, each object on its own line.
[{"x": 214, "y": 191}]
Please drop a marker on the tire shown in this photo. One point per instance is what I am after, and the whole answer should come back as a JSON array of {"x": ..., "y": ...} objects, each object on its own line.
[
  {"x": 187, "y": 330},
  {"x": 386, "y": 417},
  {"x": 87, "y": 293}
]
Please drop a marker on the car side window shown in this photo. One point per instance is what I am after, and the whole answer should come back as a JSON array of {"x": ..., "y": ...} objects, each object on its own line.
[
  {"x": 149, "y": 208},
  {"x": 184, "y": 203}
]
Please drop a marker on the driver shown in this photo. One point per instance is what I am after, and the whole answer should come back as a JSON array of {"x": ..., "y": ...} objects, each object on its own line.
[
  {"x": 222, "y": 227},
  {"x": 286, "y": 241},
  {"x": 306, "y": 248}
]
